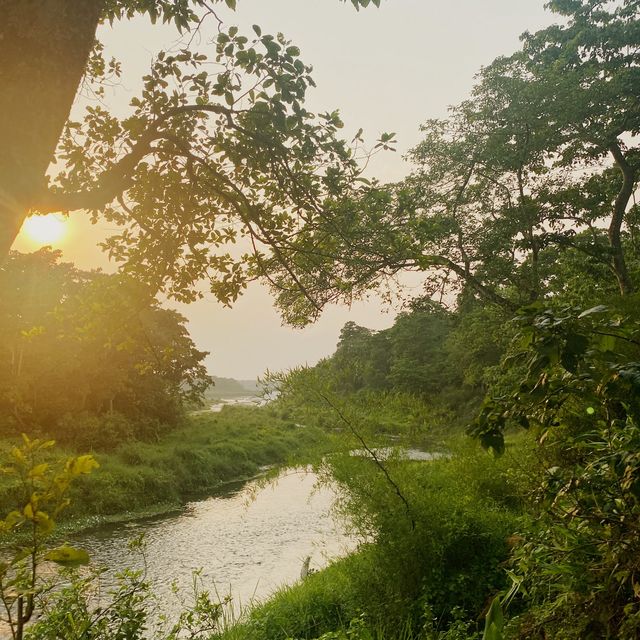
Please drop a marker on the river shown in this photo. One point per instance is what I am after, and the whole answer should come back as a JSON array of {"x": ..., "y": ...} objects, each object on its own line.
[{"x": 246, "y": 542}]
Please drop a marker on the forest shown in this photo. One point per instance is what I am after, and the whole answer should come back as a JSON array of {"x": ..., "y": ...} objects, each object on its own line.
[{"x": 516, "y": 367}]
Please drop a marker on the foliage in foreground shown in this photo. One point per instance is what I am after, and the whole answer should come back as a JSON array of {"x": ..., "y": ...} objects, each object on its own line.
[
  {"x": 576, "y": 569},
  {"x": 558, "y": 510},
  {"x": 74, "y": 608},
  {"x": 42, "y": 490},
  {"x": 547, "y": 531}
]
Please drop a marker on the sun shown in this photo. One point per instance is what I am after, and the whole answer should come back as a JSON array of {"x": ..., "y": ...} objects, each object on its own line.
[{"x": 45, "y": 229}]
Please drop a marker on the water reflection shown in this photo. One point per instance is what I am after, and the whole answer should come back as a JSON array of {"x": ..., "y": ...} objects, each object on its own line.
[{"x": 248, "y": 542}]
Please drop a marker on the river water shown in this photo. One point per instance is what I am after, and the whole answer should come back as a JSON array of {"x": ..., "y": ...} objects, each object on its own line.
[{"x": 246, "y": 543}]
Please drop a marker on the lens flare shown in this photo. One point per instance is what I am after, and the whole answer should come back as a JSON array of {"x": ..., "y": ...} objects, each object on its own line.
[{"x": 45, "y": 229}]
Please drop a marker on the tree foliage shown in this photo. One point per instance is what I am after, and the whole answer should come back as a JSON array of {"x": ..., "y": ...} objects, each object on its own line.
[
  {"x": 541, "y": 160},
  {"x": 202, "y": 158},
  {"x": 79, "y": 344}
]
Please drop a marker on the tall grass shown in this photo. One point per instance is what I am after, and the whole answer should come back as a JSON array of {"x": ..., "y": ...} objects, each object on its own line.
[
  {"x": 429, "y": 566},
  {"x": 199, "y": 458}
]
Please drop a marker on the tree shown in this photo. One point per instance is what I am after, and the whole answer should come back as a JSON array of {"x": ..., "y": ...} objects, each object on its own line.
[
  {"x": 237, "y": 144},
  {"x": 593, "y": 66},
  {"x": 88, "y": 344},
  {"x": 539, "y": 159}
]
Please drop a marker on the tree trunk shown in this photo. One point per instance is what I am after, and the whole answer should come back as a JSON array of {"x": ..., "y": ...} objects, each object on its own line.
[
  {"x": 44, "y": 47},
  {"x": 618, "y": 262}
]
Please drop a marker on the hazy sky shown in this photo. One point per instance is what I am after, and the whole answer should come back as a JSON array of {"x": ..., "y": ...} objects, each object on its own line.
[{"x": 386, "y": 69}]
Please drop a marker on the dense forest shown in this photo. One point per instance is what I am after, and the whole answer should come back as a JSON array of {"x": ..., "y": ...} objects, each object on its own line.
[{"x": 517, "y": 368}]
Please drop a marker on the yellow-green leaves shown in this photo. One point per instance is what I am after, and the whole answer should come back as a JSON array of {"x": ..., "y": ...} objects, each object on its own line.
[
  {"x": 81, "y": 465},
  {"x": 67, "y": 556},
  {"x": 44, "y": 485},
  {"x": 38, "y": 471},
  {"x": 18, "y": 455}
]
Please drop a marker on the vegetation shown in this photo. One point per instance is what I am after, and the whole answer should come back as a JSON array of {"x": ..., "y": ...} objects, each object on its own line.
[
  {"x": 428, "y": 563},
  {"x": 440, "y": 361},
  {"x": 197, "y": 459},
  {"x": 41, "y": 496},
  {"x": 580, "y": 394},
  {"x": 215, "y": 141},
  {"x": 91, "y": 359},
  {"x": 519, "y": 213},
  {"x": 522, "y": 204},
  {"x": 529, "y": 178},
  {"x": 69, "y": 609}
]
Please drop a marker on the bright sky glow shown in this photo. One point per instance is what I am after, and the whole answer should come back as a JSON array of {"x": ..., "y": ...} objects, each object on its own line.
[{"x": 45, "y": 230}]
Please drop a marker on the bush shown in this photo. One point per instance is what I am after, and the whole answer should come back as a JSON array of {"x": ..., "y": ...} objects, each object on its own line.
[
  {"x": 440, "y": 532},
  {"x": 576, "y": 565},
  {"x": 89, "y": 432}
]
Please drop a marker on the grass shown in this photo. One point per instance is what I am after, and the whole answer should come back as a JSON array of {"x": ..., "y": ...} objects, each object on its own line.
[
  {"x": 319, "y": 604},
  {"x": 209, "y": 451},
  {"x": 430, "y": 580},
  {"x": 441, "y": 568}
]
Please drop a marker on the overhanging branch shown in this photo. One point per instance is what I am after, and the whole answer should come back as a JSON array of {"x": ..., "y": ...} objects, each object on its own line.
[
  {"x": 116, "y": 180},
  {"x": 485, "y": 292}
]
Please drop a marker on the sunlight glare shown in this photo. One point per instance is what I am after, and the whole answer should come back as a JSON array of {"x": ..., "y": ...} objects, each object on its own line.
[{"x": 45, "y": 229}]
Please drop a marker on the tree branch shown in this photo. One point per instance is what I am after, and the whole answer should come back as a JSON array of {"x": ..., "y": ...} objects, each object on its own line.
[
  {"x": 426, "y": 261},
  {"x": 116, "y": 180},
  {"x": 619, "y": 211}
]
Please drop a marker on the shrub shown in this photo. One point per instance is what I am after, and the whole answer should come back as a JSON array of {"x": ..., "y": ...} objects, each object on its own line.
[{"x": 440, "y": 534}]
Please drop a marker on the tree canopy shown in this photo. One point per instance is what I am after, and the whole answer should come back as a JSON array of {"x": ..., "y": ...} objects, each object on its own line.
[
  {"x": 202, "y": 157},
  {"x": 80, "y": 347},
  {"x": 541, "y": 160}
]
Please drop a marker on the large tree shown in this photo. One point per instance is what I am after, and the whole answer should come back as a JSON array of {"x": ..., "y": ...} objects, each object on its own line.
[
  {"x": 543, "y": 158},
  {"x": 74, "y": 342},
  {"x": 236, "y": 144}
]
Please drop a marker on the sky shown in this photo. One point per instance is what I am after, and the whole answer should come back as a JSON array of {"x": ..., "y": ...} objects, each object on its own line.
[{"x": 386, "y": 69}]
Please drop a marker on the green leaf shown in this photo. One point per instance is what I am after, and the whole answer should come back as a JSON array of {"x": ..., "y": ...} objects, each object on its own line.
[
  {"x": 493, "y": 441},
  {"x": 44, "y": 522},
  {"x": 68, "y": 556},
  {"x": 494, "y": 622},
  {"x": 526, "y": 338},
  {"x": 598, "y": 309},
  {"x": 607, "y": 343}
]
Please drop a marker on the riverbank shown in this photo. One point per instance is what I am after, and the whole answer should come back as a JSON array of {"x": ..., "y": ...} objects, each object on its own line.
[
  {"x": 245, "y": 543},
  {"x": 210, "y": 451},
  {"x": 436, "y": 536}
]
